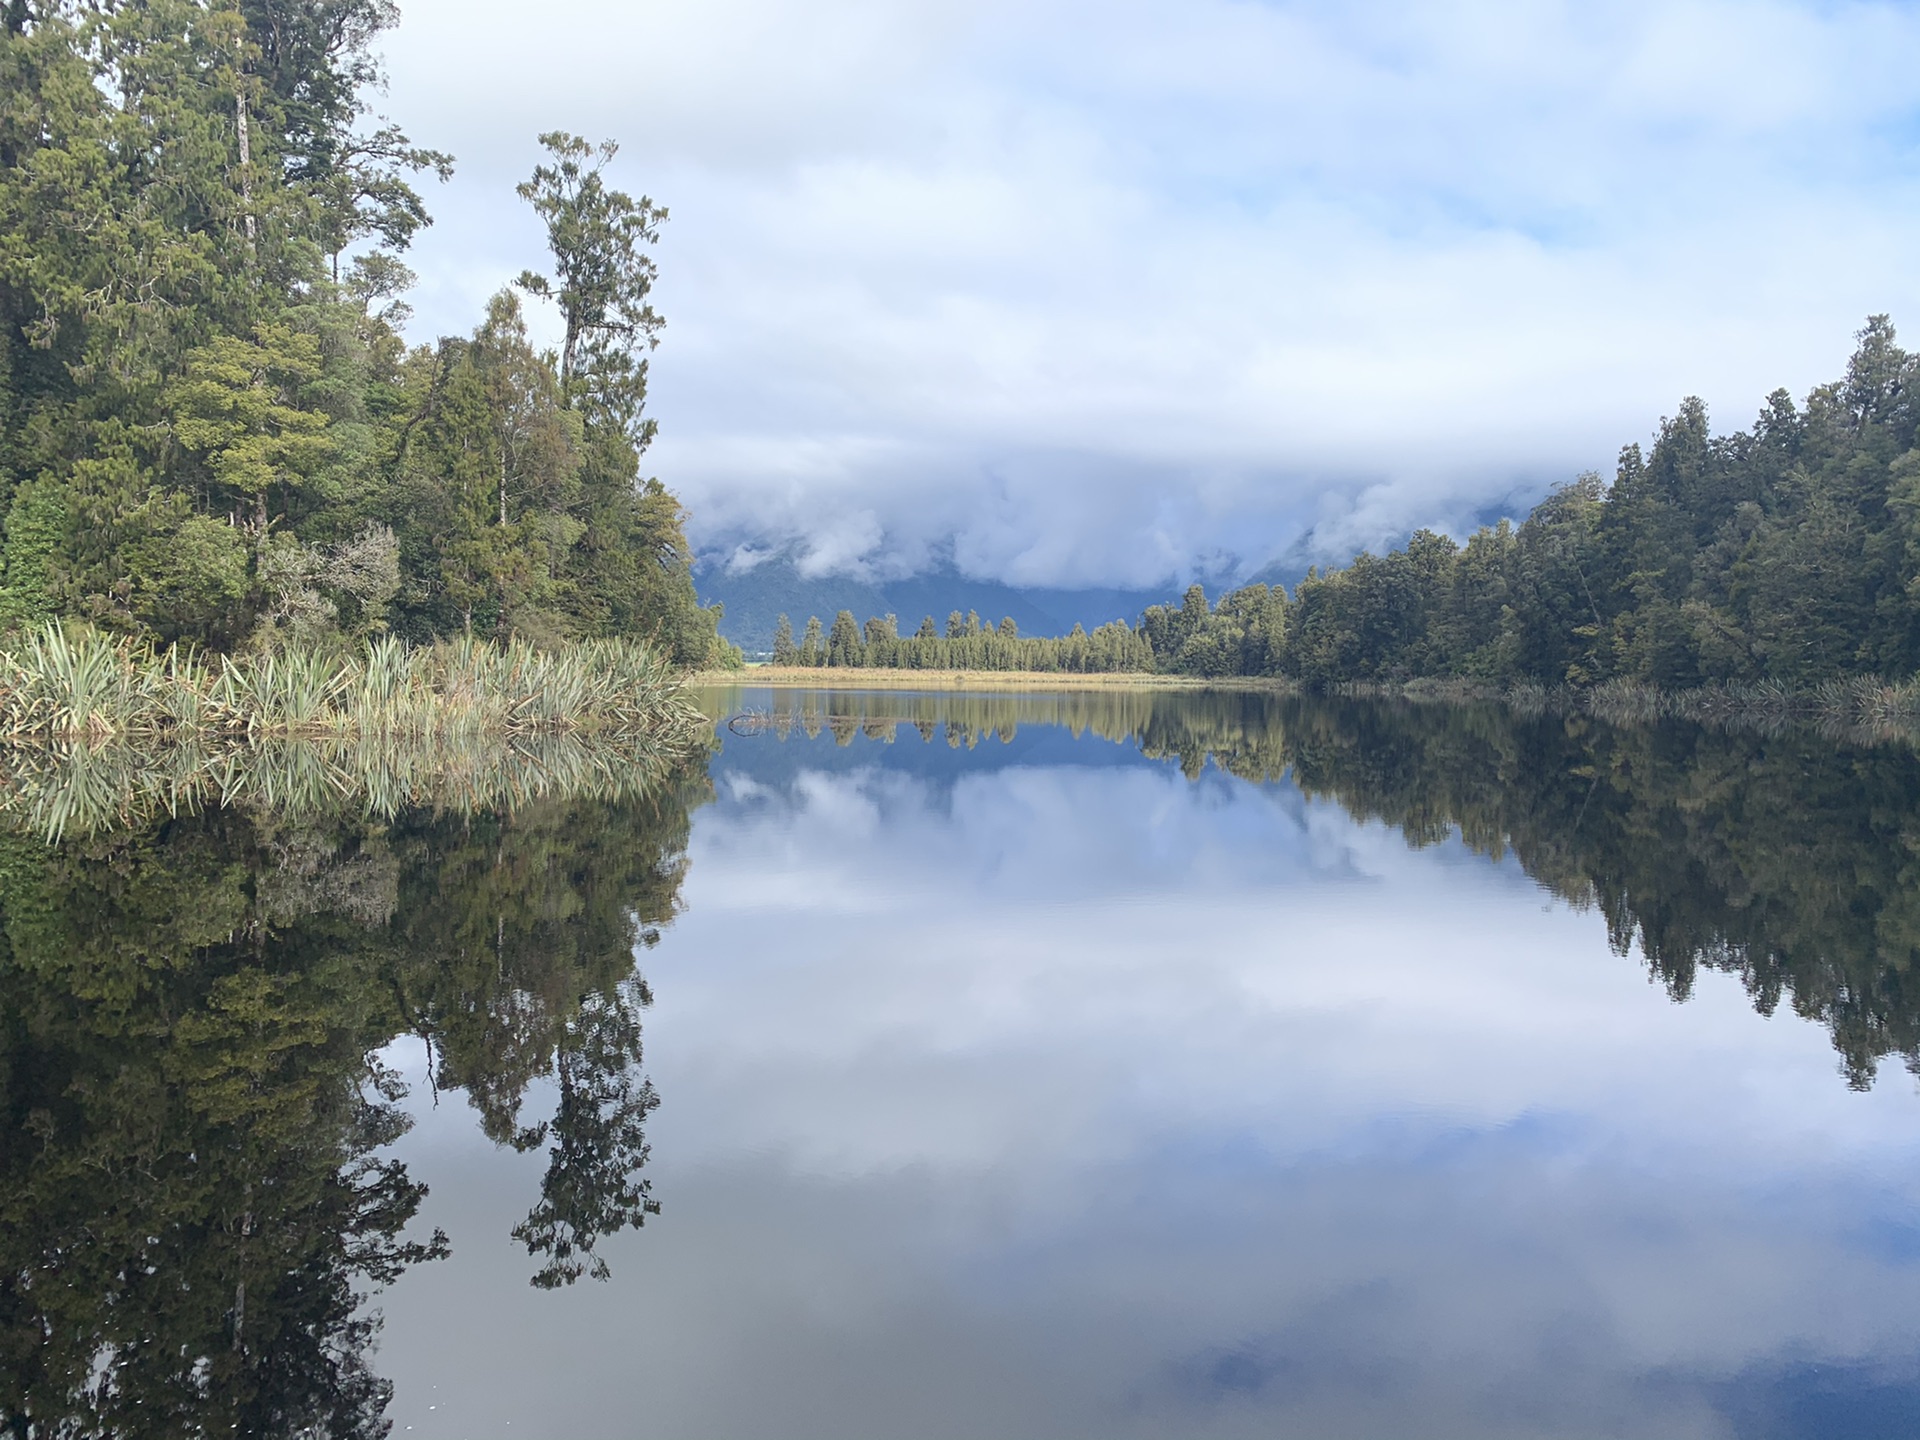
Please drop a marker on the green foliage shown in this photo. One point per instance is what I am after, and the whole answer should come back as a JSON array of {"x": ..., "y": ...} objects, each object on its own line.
[
  {"x": 968, "y": 645},
  {"x": 36, "y": 524},
  {"x": 237, "y": 409},
  {"x": 204, "y": 403},
  {"x": 62, "y": 685},
  {"x": 189, "y": 579},
  {"x": 602, "y": 275},
  {"x": 1781, "y": 554},
  {"x": 1787, "y": 556},
  {"x": 785, "y": 652}
]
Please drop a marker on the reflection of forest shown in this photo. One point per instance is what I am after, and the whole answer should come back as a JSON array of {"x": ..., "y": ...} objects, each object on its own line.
[
  {"x": 193, "y": 1198},
  {"x": 1789, "y": 860}
]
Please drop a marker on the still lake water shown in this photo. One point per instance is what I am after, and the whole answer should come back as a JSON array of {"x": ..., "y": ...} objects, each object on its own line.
[{"x": 1089, "y": 1065}]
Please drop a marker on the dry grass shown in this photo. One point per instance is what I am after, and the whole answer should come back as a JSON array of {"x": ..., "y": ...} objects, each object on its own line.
[{"x": 981, "y": 681}]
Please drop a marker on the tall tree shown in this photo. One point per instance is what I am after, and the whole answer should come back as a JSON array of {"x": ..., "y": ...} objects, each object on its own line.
[
  {"x": 785, "y": 652},
  {"x": 602, "y": 276},
  {"x": 631, "y": 569}
]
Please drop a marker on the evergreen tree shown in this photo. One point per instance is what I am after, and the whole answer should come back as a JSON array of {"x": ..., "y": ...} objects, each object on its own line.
[
  {"x": 201, "y": 386},
  {"x": 844, "y": 646},
  {"x": 785, "y": 652}
]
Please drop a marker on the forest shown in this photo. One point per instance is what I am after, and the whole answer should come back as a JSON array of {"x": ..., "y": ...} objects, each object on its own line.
[
  {"x": 213, "y": 432},
  {"x": 1784, "y": 556}
]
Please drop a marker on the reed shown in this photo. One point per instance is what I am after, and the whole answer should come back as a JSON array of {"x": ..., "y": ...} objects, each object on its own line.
[{"x": 81, "y": 685}]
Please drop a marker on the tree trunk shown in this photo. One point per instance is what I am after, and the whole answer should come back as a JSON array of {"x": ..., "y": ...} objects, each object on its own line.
[{"x": 246, "y": 166}]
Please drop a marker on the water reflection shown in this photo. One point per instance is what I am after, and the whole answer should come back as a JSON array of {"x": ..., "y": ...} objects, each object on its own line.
[
  {"x": 1791, "y": 860},
  {"x": 1093, "y": 1063},
  {"x": 198, "y": 1186},
  {"x": 57, "y": 789}
]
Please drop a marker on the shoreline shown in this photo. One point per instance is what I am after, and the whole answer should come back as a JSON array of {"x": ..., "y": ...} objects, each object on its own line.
[
  {"x": 1861, "y": 708},
  {"x": 86, "y": 686},
  {"x": 963, "y": 681}
]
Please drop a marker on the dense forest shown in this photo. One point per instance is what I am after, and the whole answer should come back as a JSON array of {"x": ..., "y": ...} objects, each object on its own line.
[
  {"x": 965, "y": 644},
  {"x": 1784, "y": 555},
  {"x": 211, "y": 427}
]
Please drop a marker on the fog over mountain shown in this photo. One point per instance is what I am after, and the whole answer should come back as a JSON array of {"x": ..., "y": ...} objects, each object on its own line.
[{"x": 1069, "y": 295}]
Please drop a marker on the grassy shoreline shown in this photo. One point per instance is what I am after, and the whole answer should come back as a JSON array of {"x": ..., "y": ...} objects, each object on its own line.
[
  {"x": 1863, "y": 707},
  {"x": 847, "y": 678},
  {"x": 57, "y": 685}
]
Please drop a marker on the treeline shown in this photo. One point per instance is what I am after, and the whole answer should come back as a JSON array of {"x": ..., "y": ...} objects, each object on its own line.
[
  {"x": 1786, "y": 555},
  {"x": 211, "y": 428},
  {"x": 965, "y": 644}
]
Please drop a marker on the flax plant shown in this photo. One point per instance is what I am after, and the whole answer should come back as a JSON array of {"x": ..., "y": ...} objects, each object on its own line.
[{"x": 83, "y": 685}]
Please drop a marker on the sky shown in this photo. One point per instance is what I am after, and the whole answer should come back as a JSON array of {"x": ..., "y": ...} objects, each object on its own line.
[{"x": 1068, "y": 293}]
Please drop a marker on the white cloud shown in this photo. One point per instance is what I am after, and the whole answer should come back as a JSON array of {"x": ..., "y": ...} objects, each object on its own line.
[{"x": 1096, "y": 290}]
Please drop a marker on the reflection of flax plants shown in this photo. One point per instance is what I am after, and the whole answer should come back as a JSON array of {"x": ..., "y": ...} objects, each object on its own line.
[
  {"x": 1863, "y": 709},
  {"x": 73, "y": 787},
  {"x": 100, "y": 731}
]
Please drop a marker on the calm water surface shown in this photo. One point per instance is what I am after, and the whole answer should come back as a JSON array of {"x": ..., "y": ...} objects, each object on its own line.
[{"x": 1177, "y": 1065}]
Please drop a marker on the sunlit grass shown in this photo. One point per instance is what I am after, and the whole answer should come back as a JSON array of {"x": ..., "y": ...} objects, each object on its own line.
[
  {"x": 83, "y": 685},
  {"x": 97, "y": 732}
]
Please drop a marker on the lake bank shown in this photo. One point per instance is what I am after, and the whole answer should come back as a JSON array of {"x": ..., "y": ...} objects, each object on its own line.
[
  {"x": 57, "y": 685},
  {"x": 1863, "y": 708},
  {"x": 861, "y": 678}
]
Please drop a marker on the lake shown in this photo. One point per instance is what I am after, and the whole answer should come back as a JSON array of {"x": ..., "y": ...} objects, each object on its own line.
[{"x": 1097, "y": 1064}]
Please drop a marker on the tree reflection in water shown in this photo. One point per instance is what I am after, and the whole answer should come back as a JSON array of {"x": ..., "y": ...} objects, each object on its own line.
[
  {"x": 194, "y": 1203},
  {"x": 1788, "y": 857},
  {"x": 197, "y": 981}
]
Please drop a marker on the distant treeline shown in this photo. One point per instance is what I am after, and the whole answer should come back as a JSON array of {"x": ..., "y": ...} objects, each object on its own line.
[
  {"x": 965, "y": 644},
  {"x": 1786, "y": 555}
]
